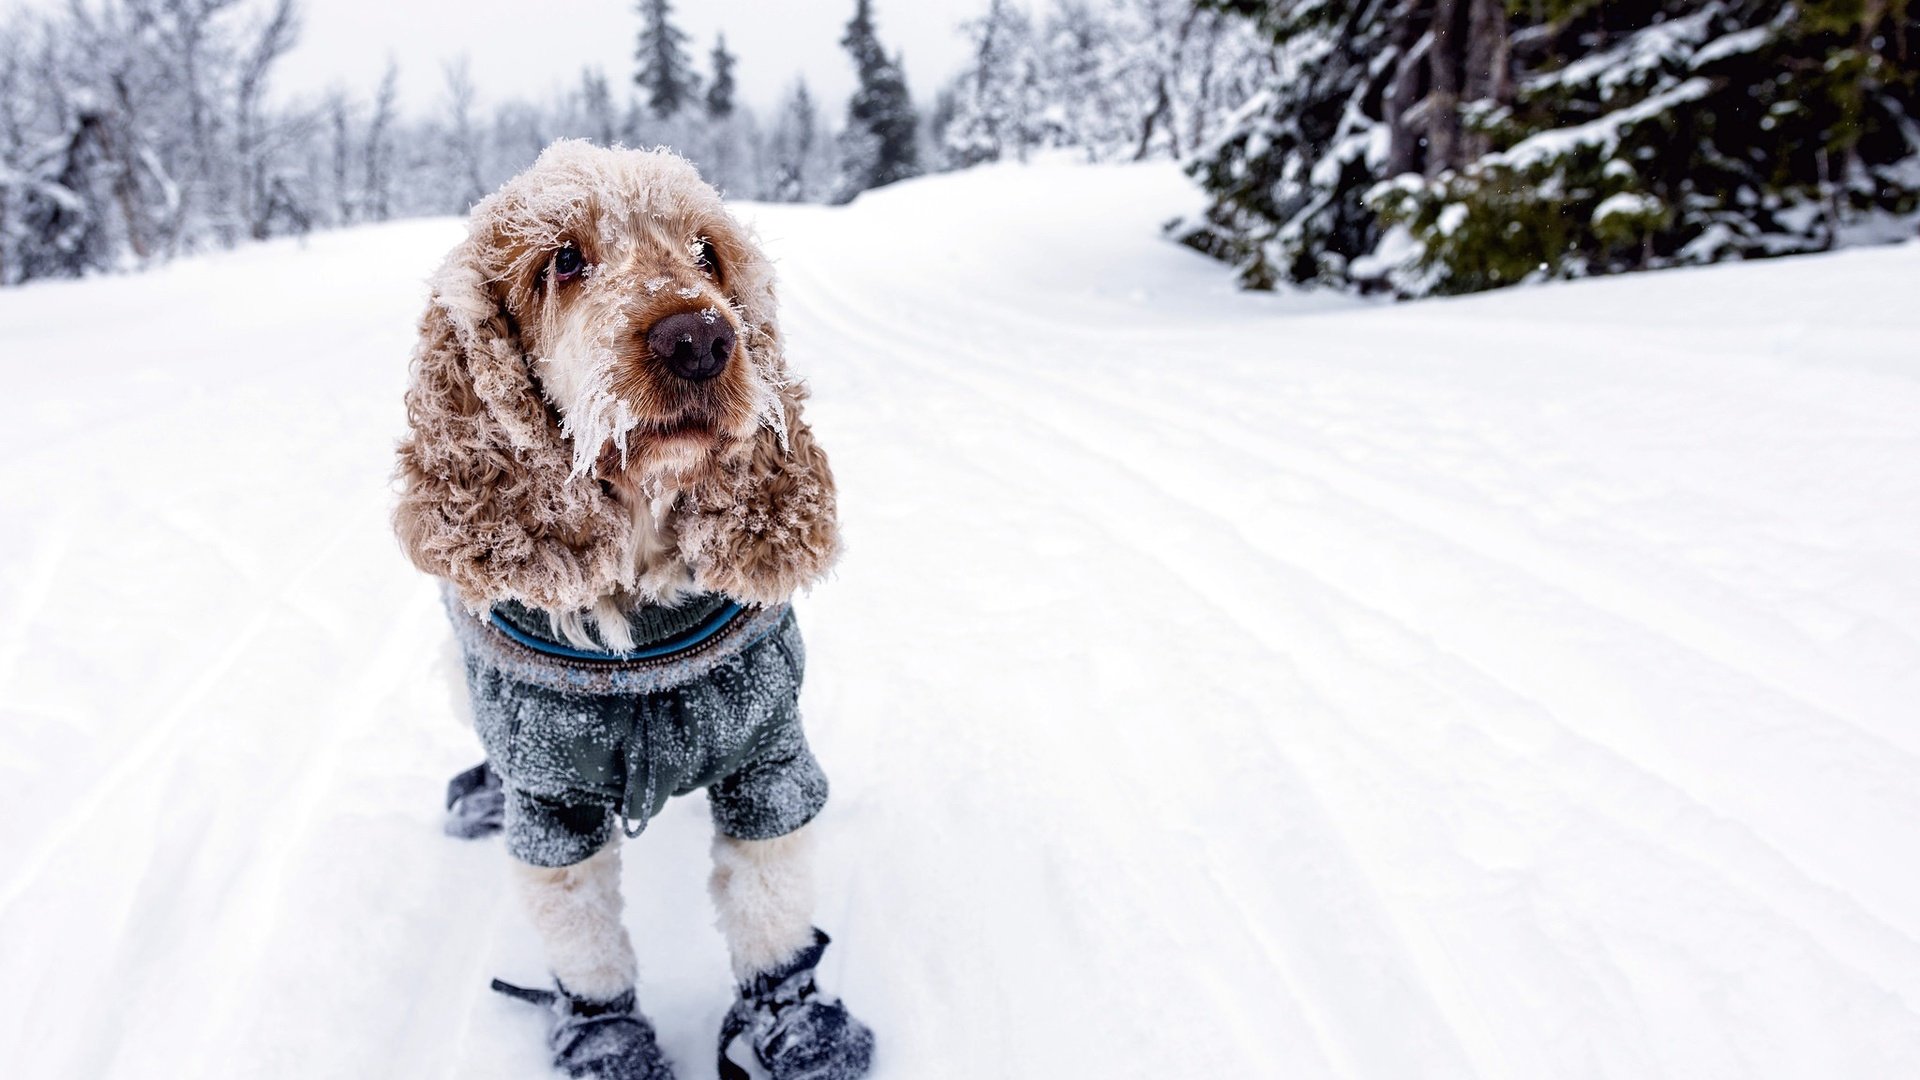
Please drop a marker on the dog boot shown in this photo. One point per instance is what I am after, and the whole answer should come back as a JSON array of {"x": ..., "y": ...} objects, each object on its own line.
[
  {"x": 476, "y": 803},
  {"x": 597, "y": 1040},
  {"x": 785, "y": 1026}
]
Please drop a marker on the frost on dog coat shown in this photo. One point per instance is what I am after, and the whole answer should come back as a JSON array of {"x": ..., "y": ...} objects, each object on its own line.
[{"x": 583, "y": 740}]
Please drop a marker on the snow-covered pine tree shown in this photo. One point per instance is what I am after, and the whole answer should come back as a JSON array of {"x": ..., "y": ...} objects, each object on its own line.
[
  {"x": 596, "y": 106},
  {"x": 996, "y": 97},
  {"x": 794, "y": 147},
  {"x": 1452, "y": 145},
  {"x": 1289, "y": 175},
  {"x": 727, "y": 145},
  {"x": 665, "y": 71},
  {"x": 880, "y": 142},
  {"x": 720, "y": 90},
  {"x": 938, "y": 117},
  {"x": 1674, "y": 132}
]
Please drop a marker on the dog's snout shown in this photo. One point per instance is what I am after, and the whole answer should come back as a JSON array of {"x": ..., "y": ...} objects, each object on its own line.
[{"x": 692, "y": 344}]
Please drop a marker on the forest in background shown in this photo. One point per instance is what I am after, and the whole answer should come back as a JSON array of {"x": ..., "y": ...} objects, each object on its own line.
[
  {"x": 1407, "y": 147},
  {"x": 132, "y": 131},
  {"x": 1417, "y": 147}
]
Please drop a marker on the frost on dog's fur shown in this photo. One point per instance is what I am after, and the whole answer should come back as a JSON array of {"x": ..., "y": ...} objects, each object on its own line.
[
  {"x": 502, "y": 490},
  {"x": 577, "y": 375}
]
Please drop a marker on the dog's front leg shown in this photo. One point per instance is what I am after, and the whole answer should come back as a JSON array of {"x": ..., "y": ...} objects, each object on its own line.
[
  {"x": 764, "y": 892},
  {"x": 576, "y": 911},
  {"x": 598, "y": 1029}
]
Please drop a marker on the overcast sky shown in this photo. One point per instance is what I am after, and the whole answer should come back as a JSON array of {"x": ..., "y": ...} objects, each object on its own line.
[{"x": 530, "y": 47}]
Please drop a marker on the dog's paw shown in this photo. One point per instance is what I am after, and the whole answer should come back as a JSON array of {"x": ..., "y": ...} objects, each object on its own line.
[{"x": 781, "y": 1027}]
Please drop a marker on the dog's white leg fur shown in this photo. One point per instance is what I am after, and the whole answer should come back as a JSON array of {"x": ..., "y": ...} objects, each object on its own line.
[
  {"x": 576, "y": 911},
  {"x": 764, "y": 892}
]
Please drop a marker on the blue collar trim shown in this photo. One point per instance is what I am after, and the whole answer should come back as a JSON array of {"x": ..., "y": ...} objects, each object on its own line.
[{"x": 714, "y": 624}]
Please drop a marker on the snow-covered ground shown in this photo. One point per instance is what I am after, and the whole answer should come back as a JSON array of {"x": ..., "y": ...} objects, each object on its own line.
[{"x": 1216, "y": 685}]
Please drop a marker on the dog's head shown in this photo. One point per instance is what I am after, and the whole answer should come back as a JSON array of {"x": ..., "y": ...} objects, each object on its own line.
[
  {"x": 606, "y": 324},
  {"x": 644, "y": 307}
]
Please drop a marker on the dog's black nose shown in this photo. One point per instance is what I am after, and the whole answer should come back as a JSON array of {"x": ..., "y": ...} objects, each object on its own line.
[{"x": 693, "y": 344}]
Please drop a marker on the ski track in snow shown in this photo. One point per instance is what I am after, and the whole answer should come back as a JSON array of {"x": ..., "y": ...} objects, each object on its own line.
[{"x": 1518, "y": 686}]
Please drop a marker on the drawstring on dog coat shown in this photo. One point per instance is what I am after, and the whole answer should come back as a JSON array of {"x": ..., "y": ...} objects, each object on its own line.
[{"x": 526, "y": 994}]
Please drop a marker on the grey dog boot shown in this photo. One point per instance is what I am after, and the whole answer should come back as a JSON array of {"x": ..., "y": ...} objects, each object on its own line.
[
  {"x": 783, "y": 1024},
  {"x": 597, "y": 1040},
  {"x": 476, "y": 803}
]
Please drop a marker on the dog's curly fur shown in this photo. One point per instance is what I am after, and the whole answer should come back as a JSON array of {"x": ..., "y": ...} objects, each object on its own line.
[
  {"x": 495, "y": 494},
  {"x": 553, "y": 459}
]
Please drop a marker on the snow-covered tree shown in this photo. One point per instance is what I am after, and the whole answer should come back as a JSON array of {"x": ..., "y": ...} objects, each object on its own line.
[
  {"x": 62, "y": 204},
  {"x": 596, "y": 106},
  {"x": 377, "y": 158},
  {"x": 1289, "y": 177},
  {"x": 137, "y": 129},
  {"x": 339, "y": 158},
  {"x": 1452, "y": 145},
  {"x": 997, "y": 97},
  {"x": 1163, "y": 30},
  {"x": 796, "y": 149},
  {"x": 132, "y": 131},
  {"x": 727, "y": 150},
  {"x": 465, "y": 152},
  {"x": 720, "y": 90},
  {"x": 1116, "y": 79},
  {"x": 881, "y": 142},
  {"x": 265, "y": 194},
  {"x": 1678, "y": 133},
  {"x": 665, "y": 71},
  {"x": 1081, "y": 105}
]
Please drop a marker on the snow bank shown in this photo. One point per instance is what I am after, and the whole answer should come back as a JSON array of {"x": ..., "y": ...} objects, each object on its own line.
[{"x": 1216, "y": 684}]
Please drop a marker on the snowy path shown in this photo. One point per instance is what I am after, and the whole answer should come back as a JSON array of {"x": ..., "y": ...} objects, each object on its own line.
[{"x": 1216, "y": 685}]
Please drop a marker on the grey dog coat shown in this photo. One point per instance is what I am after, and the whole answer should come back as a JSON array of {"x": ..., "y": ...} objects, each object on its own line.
[{"x": 587, "y": 739}]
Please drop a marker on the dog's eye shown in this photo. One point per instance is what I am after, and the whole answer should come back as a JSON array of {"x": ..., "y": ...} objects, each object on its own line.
[
  {"x": 705, "y": 259},
  {"x": 568, "y": 263}
]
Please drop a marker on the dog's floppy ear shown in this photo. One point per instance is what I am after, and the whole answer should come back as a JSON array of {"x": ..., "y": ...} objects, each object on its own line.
[
  {"x": 487, "y": 496},
  {"x": 765, "y": 526}
]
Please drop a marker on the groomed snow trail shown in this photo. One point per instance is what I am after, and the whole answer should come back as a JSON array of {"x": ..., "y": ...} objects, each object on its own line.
[{"x": 1215, "y": 685}]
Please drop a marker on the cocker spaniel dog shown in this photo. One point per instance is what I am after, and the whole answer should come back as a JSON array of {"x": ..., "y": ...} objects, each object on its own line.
[{"x": 607, "y": 466}]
